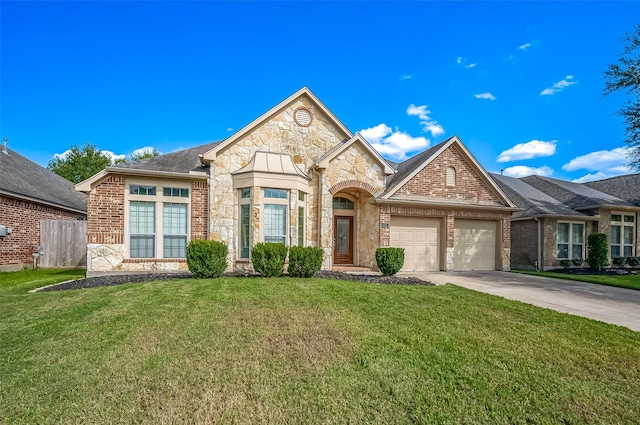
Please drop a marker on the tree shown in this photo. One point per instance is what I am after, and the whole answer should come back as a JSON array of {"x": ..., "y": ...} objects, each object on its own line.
[
  {"x": 625, "y": 75},
  {"x": 142, "y": 153},
  {"x": 80, "y": 163}
]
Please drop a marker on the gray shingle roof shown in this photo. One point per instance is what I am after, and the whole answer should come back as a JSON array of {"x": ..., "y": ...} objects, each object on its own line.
[
  {"x": 23, "y": 178},
  {"x": 181, "y": 161},
  {"x": 574, "y": 195},
  {"x": 625, "y": 187},
  {"x": 533, "y": 201}
]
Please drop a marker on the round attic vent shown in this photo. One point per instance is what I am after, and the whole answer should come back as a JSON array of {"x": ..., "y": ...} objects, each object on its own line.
[{"x": 302, "y": 117}]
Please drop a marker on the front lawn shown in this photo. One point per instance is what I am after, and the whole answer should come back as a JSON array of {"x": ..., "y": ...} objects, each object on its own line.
[
  {"x": 281, "y": 350},
  {"x": 628, "y": 281}
]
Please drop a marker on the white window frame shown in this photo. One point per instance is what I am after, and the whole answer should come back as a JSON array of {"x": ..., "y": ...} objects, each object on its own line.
[
  {"x": 302, "y": 218},
  {"x": 244, "y": 202},
  {"x": 570, "y": 242},
  {"x": 450, "y": 176},
  {"x": 278, "y": 202},
  {"x": 622, "y": 224},
  {"x": 159, "y": 199}
]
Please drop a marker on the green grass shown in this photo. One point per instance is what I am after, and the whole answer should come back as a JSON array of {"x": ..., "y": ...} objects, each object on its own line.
[
  {"x": 293, "y": 351},
  {"x": 628, "y": 281}
]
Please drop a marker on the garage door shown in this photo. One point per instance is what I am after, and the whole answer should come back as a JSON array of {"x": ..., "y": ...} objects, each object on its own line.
[
  {"x": 420, "y": 239},
  {"x": 474, "y": 245}
]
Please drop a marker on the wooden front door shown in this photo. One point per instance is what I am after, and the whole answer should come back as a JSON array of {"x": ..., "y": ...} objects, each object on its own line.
[{"x": 342, "y": 240}]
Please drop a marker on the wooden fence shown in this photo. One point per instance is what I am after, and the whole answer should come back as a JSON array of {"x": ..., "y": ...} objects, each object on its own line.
[{"x": 64, "y": 243}]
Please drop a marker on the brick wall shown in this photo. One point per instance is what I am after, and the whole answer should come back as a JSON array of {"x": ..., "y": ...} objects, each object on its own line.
[
  {"x": 431, "y": 181},
  {"x": 524, "y": 244},
  {"x": 199, "y": 210},
  {"x": 23, "y": 217},
  {"x": 105, "y": 206}
]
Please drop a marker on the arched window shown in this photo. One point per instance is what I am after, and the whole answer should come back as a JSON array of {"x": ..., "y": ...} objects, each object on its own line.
[
  {"x": 340, "y": 203},
  {"x": 450, "y": 177}
]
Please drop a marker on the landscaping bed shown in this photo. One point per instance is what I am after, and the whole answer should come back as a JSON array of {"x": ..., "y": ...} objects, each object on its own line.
[{"x": 119, "y": 279}]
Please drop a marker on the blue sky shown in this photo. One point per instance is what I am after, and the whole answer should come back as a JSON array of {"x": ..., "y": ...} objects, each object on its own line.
[{"x": 519, "y": 82}]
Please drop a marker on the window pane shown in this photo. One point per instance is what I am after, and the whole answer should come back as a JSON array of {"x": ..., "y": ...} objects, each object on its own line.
[
  {"x": 563, "y": 233},
  {"x": 615, "y": 235},
  {"x": 275, "y": 193},
  {"x": 275, "y": 223},
  {"x": 628, "y": 219},
  {"x": 301, "y": 196},
  {"x": 175, "y": 246},
  {"x": 142, "y": 246},
  {"x": 628, "y": 235},
  {"x": 142, "y": 217},
  {"x": 577, "y": 234},
  {"x": 174, "y": 219},
  {"x": 615, "y": 251},
  {"x": 628, "y": 251},
  {"x": 563, "y": 251},
  {"x": 244, "y": 231},
  {"x": 340, "y": 203},
  {"x": 245, "y": 193},
  {"x": 300, "y": 226},
  {"x": 616, "y": 217},
  {"x": 576, "y": 251}
]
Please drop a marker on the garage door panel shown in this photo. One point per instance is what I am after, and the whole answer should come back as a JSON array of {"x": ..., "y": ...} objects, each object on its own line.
[
  {"x": 474, "y": 245},
  {"x": 420, "y": 239}
]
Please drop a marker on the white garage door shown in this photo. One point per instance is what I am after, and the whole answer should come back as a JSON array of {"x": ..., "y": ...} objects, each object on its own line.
[
  {"x": 474, "y": 245},
  {"x": 420, "y": 239}
]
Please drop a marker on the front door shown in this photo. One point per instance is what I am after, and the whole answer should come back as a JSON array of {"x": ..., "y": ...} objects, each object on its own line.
[{"x": 342, "y": 240}]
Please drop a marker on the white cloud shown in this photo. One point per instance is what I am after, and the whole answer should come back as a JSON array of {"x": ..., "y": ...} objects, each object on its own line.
[
  {"x": 528, "y": 150},
  {"x": 428, "y": 125},
  {"x": 229, "y": 129},
  {"x": 463, "y": 62},
  {"x": 406, "y": 77},
  {"x": 486, "y": 95},
  {"x": 143, "y": 151},
  {"x": 393, "y": 144},
  {"x": 559, "y": 86},
  {"x": 602, "y": 164},
  {"x": 523, "y": 171},
  {"x": 525, "y": 46}
]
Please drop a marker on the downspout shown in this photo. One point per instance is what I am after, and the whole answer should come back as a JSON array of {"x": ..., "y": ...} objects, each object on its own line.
[{"x": 539, "y": 254}]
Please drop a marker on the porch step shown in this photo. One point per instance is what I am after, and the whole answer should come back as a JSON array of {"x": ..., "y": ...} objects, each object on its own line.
[{"x": 352, "y": 269}]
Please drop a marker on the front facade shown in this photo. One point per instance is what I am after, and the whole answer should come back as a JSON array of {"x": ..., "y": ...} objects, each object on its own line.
[
  {"x": 557, "y": 217},
  {"x": 297, "y": 175}
]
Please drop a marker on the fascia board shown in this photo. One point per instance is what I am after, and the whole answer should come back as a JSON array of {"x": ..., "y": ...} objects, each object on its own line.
[{"x": 88, "y": 184}]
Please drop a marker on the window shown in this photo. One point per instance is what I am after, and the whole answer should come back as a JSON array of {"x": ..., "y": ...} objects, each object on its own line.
[
  {"x": 245, "y": 223},
  {"x": 275, "y": 223},
  {"x": 275, "y": 193},
  {"x": 142, "y": 229},
  {"x": 622, "y": 235},
  {"x": 175, "y": 191},
  {"x": 570, "y": 241},
  {"x": 174, "y": 225},
  {"x": 157, "y": 229},
  {"x": 450, "y": 176},
  {"x": 137, "y": 189},
  {"x": 340, "y": 203}
]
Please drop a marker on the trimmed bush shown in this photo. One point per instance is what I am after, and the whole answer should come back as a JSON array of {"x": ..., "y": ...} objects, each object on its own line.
[
  {"x": 565, "y": 264},
  {"x": 268, "y": 258},
  {"x": 577, "y": 262},
  {"x": 304, "y": 261},
  {"x": 390, "y": 260},
  {"x": 618, "y": 261},
  {"x": 206, "y": 259},
  {"x": 633, "y": 261},
  {"x": 598, "y": 251}
]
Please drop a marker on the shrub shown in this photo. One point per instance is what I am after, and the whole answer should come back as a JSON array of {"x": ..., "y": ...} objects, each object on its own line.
[
  {"x": 577, "y": 262},
  {"x": 565, "y": 264},
  {"x": 304, "y": 261},
  {"x": 206, "y": 259},
  {"x": 597, "y": 251},
  {"x": 268, "y": 258},
  {"x": 618, "y": 261},
  {"x": 633, "y": 261},
  {"x": 390, "y": 260}
]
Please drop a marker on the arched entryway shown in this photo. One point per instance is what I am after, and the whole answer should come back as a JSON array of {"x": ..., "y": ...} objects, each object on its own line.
[{"x": 344, "y": 212}]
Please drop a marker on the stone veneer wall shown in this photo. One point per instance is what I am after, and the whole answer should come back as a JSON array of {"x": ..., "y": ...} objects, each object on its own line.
[
  {"x": 280, "y": 134},
  {"x": 450, "y": 215},
  {"x": 23, "y": 217},
  {"x": 431, "y": 181}
]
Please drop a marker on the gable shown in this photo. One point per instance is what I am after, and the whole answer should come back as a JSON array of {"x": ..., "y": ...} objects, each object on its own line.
[{"x": 356, "y": 163}]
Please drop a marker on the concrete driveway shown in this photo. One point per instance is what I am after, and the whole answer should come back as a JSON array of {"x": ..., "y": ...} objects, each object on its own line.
[{"x": 608, "y": 304}]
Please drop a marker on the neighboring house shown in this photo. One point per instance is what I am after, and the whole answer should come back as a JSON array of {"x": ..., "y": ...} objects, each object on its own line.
[
  {"x": 30, "y": 193},
  {"x": 297, "y": 175},
  {"x": 557, "y": 216}
]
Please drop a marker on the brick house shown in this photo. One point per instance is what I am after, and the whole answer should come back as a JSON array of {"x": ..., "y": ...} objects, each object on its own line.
[
  {"x": 30, "y": 193},
  {"x": 557, "y": 216},
  {"x": 297, "y": 175}
]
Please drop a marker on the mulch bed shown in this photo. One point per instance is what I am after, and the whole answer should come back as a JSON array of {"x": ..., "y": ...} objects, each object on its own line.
[
  {"x": 119, "y": 279},
  {"x": 603, "y": 272}
]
